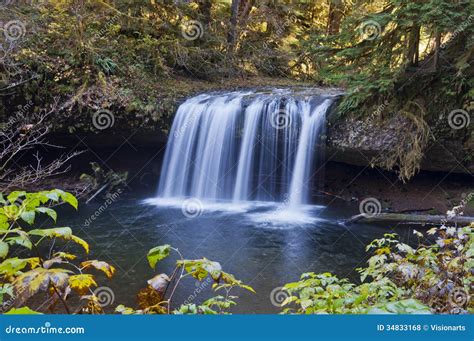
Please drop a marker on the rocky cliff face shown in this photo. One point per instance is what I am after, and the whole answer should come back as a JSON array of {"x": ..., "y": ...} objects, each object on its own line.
[
  {"x": 367, "y": 141},
  {"x": 386, "y": 142}
]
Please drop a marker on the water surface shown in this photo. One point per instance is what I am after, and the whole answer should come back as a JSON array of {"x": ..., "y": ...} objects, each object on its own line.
[{"x": 260, "y": 243}]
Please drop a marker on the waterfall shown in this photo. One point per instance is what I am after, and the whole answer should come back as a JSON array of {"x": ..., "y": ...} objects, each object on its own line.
[
  {"x": 245, "y": 146},
  {"x": 313, "y": 122}
]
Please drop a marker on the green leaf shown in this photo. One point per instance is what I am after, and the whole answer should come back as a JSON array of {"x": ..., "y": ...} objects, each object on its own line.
[
  {"x": 22, "y": 311},
  {"x": 158, "y": 253},
  {"x": 6, "y": 289},
  {"x": 11, "y": 266},
  {"x": 60, "y": 232},
  {"x": 22, "y": 239},
  {"x": 28, "y": 216},
  {"x": 11, "y": 212},
  {"x": 52, "y": 195},
  {"x": 201, "y": 268},
  {"x": 214, "y": 269},
  {"x": 124, "y": 310},
  {"x": 70, "y": 199},
  {"x": 50, "y": 212},
  {"x": 13, "y": 196},
  {"x": 3, "y": 249},
  {"x": 3, "y": 222},
  {"x": 408, "y": 306}
]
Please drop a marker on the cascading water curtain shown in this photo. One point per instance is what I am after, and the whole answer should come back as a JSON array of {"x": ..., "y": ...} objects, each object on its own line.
[{"x": 244, "y": 146}]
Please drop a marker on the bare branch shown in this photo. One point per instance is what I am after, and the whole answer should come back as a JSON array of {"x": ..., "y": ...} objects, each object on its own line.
[{"x": 24, "y": 134}]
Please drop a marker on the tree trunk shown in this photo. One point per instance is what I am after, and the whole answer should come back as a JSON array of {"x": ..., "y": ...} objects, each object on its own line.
[
  {"x": 232, "y": 35},
  {"x": 409, "y": 219},
  {"x": 413, "y": 46},
  {"x": 245, "y": 7},
  {"x": 205, "y": 7},
  {"x": 336, "y": 12},
  {"x": 437, "y": 50}
]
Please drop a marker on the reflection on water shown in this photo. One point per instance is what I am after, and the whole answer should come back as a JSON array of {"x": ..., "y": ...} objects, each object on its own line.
[{"x": 262, "y": 244}]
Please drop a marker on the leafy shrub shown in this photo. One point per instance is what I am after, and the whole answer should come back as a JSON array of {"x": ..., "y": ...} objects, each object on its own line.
[
  {"x": 435, "y": 277},
  {"x": 58, "y": 274},
  {"x": 157, "y": 297}
]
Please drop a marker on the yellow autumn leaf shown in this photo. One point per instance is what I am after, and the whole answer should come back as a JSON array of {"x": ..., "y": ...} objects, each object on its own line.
[
  {"x": 33, "y": 261},
  {"x": 383, "y": 250},
  {"x": 65, "y": 255},
  {"x": 39, "y": 279},
  {"x": 81, "y": 242},
  {"x": 81, "y": 283},
  {"x": 105, "y": 267}
]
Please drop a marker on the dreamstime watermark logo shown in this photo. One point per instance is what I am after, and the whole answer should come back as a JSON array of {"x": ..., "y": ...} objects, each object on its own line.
[
  {"x": 380, "y": 109},
  {"x": 6, "y": 305},
  {"x": 111, "y": 198},
  {"x": 200, "y": 286},
  {"x": 459, "y": 209},
  {"x": 9, "y": 303},
  {"x": 188, "y": 122},
  {"x": 370, "y": 207},
  {"x": 459, "y": 30},
  {"x": 278, "y": 296},
  {"x": 14, "y": 30},
  {"x": 103, "y": 119},
  {"x": 466, "y": 198},
  {"x": 458, "y": 297},
  {"x": 105, "y": 296},
  {"x": 103, "y": 32},
  {"x": 19, "y": 117},
  {"x": 192, "y": 208},
  {"x": 370, "y": 30},
  {"x": 46, "y": 329},
  {"x": 280, "y": 119},
  {"x": 459, "y": 119},
  {"x": 182, "y": 57},
  {"x": 280, "y": 28},
  {"x": 24, "y": 109},
  {"x": 192, "y": 30}
]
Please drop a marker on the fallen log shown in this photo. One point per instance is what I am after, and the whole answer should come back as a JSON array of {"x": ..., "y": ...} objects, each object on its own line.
[
  {"x": 411, "y": 211},
  {"x": 409, "y": 219}
]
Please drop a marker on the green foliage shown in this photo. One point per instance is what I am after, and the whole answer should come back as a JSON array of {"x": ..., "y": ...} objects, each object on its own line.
[
  {"x": 375, "y": 39},
  {"x": 154, "y": 298},
  {"x": 52, "y": 273},
  {"x": 133, "y": 56},
  {"x": 22, "y": 311},
  {"x": 325, "y": 293},
  {"x": 106, "y": 65},
  {"x": 158, "y": 253},
  {"x": 61, "y": 274},
  {"x": 433, "y": 278}
]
